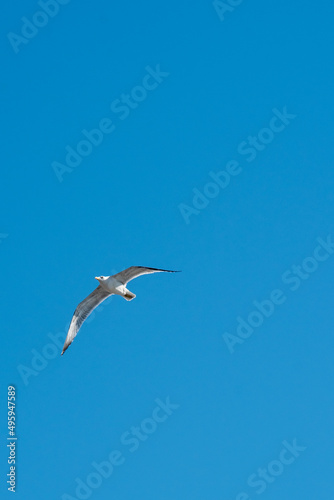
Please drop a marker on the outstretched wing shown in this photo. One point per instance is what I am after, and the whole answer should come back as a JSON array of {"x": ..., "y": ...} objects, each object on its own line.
[
  {"x": 82, "y": 312},
  {"x": 134, "y": 271}
]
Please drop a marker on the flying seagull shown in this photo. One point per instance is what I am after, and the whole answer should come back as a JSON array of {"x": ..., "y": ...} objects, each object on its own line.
[{"x": 108, "y": 285}]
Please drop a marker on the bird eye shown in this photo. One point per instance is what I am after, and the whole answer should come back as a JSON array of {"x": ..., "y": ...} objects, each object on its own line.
[{"x": 101, "y": 277}]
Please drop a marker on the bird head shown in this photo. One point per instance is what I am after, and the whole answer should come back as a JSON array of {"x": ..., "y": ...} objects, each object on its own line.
[{"x": 100, "y": 278}]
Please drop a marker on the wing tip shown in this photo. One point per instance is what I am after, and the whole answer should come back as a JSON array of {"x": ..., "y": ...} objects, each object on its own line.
[
  {"x": 158, "y": 269},
  {"x": 64, "y": 349}
]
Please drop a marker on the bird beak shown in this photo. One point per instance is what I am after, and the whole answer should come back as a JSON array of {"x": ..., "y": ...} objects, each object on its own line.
[{"x": 96, "y": 278}]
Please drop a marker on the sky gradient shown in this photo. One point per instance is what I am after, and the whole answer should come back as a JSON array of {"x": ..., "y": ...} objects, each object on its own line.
[{"x": 190, "y": 136}]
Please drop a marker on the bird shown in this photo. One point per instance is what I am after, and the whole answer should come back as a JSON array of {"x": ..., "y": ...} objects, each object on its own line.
[{"x": 108, "y": 285}]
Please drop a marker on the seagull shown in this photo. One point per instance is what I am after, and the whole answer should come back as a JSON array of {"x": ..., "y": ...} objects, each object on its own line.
[{"x": 108, "y": 285}]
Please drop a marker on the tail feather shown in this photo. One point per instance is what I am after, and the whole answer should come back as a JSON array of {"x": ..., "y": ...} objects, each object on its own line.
[{"x": 129, "y": 295}]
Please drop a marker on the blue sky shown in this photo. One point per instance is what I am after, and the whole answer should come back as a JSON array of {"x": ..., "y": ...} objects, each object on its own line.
[{"x": 207, "y": 148}]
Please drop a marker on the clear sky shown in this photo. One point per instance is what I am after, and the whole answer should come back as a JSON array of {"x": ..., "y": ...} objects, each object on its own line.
[{"x": 184, "y": 135}]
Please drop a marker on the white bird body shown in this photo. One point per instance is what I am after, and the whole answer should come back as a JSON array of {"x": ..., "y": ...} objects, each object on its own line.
[
  {"x": 108, "y": 285},
  {"x": 112, "y": 285}
]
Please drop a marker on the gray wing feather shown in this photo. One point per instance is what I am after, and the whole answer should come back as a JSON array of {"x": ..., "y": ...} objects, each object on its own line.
[
  {"x": 134, "y": 271},
  {"x": 84, "y": 309}
]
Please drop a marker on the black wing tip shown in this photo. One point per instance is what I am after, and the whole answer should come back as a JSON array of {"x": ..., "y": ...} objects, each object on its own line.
[
  {"x": 158, "y": 269},
  {"x": 65, "y": 349},
  {"x": 168, "y": 271}
]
